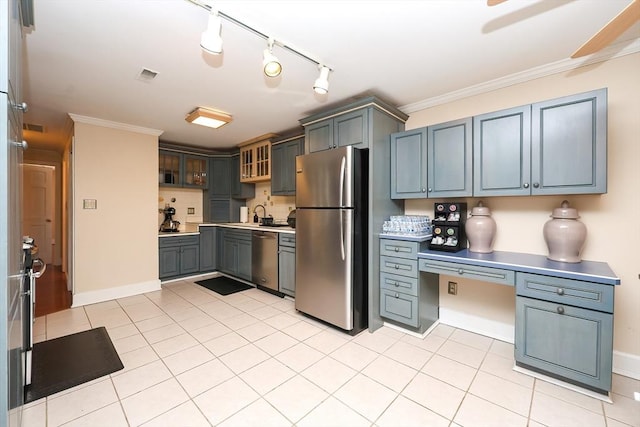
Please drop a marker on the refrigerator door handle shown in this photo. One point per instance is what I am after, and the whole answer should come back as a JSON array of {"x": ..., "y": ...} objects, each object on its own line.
[
  {"x": 342, "y": 234},
  {"x": 343, "y": 171}
]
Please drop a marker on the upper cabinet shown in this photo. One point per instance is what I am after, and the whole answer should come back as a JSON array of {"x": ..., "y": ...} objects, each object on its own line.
[
  {"x": 283, "y": 174},
  {"x": 432, "y": 162},
  {"x": 255, "y": 159},
  {"x": 552, "y": 147},
  {"x": 176, "y": 169}
]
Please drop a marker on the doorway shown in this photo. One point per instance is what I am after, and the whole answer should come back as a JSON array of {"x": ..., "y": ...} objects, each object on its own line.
[{"x": 41, "y": 220}]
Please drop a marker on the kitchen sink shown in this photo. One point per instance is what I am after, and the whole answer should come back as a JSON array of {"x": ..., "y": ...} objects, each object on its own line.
[{"x": 274, "y": 225}]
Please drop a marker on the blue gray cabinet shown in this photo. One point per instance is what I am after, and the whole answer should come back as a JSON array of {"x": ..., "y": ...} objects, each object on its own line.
[
  {"x": 235, "y": 255},
  {"x": 287, "y": 263},
  {"x": 239, "y": 190},
  {"x": 552, "y": 147},
  {"x": 432, "y": 162},
  {"x": 226, "y": 194},
  {"x": 350, "y": 128},
  {"x": 219, "y": 171},
  {"x": 179, "y": 256},
  {"x": 177, "y": 169},
  {"x": 208, "y": 249},
  {"x": 565, "y": 328},
  {"x": 283, "y": 166}
]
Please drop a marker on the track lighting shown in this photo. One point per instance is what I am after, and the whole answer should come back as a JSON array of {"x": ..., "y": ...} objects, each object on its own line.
[
  {"x": 321, "y": 85},
  {"x": 211, "y": 40},
  {"x": 270, "y": 64}
]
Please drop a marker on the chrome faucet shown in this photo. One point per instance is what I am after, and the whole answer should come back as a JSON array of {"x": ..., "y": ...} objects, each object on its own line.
[{"x": 264, "y": 210}]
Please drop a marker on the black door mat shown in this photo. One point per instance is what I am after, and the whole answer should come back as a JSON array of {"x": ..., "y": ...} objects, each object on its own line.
[
  {"x": 224, "y": 285},
  {"x": 68, "y": 361}
]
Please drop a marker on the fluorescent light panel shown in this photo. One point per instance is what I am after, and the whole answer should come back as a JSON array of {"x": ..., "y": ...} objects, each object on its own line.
[{"x": 210, "y": 118}]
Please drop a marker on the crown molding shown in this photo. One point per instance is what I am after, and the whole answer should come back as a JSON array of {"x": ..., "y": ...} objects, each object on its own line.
[
  {"x": 114, "y": 125},
  {"x": 612, "y": 52}
]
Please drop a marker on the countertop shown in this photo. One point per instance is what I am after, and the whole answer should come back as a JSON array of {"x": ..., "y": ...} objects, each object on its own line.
[{"x": 193, "y": 228}]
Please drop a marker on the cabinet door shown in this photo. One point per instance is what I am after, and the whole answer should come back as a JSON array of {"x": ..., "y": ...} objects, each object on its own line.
[
  {"x": 287, "y": 270},
  {"x": 569, "y": 144},
  {"x": 283, "y": 174},
  {"x": 169, "y": 262},
  {"x": 351, "y": 129},
  {"x": 219, "y": 185},
  {"x": 565, "y": 341},
  {"x": 244, "y": 259},
  {"x": 196, "y": 172},
  {"x": 449, "y": 168},
  {"x": 502, "y": 153},
  {"x": 220, "y": 210},
  {"x": 239, "y": 190},
  {"x": 278, "y": 165},
  {"x": 189, "y": 259},
  {"x": 319, "y": 136},
  {"x": 409, "y": 164},
  {"x": 207, "y": 249},
  {"x": 229, "y": 256},
  {"x": 169, "y": 169}
]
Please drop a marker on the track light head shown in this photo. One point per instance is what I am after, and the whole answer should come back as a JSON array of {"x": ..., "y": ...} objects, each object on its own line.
[
  {"x": 211, "y": 41},
  {"x": 271, "y": 66},
  {"x": 321, "y": 85}
]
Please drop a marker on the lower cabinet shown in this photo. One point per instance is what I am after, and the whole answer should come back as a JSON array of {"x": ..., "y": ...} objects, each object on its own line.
[
  {"x": 179, "y": 256},
  {"x": 208, "y": 249},
  {"x": 287, "y": 263},
  {"x": 564, "y": 328},
  {"x": 235, "y": 252}
]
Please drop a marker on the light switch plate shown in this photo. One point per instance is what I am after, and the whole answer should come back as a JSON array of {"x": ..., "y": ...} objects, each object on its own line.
[{"x": 89, "y": 204}]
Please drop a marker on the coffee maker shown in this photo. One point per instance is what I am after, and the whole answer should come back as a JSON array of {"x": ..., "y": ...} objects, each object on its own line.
[{"x": 169, "y": 225}]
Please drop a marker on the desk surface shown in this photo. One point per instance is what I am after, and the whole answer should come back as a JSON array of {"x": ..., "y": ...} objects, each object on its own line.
[{"x": 590, "y": 271}]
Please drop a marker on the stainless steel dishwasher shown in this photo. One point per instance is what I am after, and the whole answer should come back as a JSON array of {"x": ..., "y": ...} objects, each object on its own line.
[{"x": 264, "y": 259}]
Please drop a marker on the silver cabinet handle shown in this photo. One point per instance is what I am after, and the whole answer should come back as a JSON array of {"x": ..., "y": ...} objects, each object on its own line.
[
  {"x": 560, "y": 309},
  {"x": 397, "y": 249},
  {"x": 23, "y": 144},
  {"x": 22, "y": 107},
  {"x": 397, "y": 266},
  {"x": 397, "y": 295},
  {"x": 430, "y": 190},
  {"x": 424, "y": 190},
  {"x": 460, "y": 271},
  {"x": 526, "y": 185},
  {"x": 536, "y": 185},
  {"x": 397, "y": 284},
  {"x": 560, "y": 291}
]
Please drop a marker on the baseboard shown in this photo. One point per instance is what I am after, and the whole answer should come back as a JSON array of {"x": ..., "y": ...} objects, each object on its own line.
[
  {"x": 102, "y": 295},
  {"x": 479, "y": 325},
  {"x": 626, "y": 364}
]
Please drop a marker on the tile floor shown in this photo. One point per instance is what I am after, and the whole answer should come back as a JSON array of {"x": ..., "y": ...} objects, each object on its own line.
[{"x": 195, "y": 358}]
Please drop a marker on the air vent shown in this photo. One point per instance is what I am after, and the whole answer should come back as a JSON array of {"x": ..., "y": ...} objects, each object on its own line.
[
  {"x": 33, "y": 128},
  {"x": 147, "y": 75}
]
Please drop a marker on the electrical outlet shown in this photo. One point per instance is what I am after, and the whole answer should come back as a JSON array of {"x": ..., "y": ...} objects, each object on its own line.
[
  {"x": 191, "y": 211},
  {"x": 453, "y": 288}
]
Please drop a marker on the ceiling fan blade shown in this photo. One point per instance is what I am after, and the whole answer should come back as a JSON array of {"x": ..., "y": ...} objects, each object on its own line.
[
  {"x": 494, "y": 2},
  {"x": 611, "y": 31}
]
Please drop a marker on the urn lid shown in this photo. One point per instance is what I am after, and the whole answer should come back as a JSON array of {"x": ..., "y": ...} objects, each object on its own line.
[
  {"x": 565, "y": 212},
  {"x": 481, "y": 210}
]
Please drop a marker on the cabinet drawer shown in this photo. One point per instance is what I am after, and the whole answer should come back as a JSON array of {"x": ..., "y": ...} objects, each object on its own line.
[
  {"x": 393, "y": 282},
  {"x": 589, "y": 295},
  {"x": 486, "y": 274},
  {"x": 232, "y": 233},
  {"x": 286, "y": 239},
  {"x": 400, "y": 307},
  {"x": 166, "y": 242},
  {"x": 399, "y": 248},
  {"x": 572, "y": 343},
  {"x": 404, "y": 267}
]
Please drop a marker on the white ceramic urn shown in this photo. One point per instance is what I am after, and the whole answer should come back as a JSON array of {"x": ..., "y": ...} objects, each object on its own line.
[
  {"x": 564, "y": 234},
  {"x": 480, "y": 229}
]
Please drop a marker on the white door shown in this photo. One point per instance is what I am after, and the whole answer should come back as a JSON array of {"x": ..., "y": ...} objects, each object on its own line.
[{"x": 38, "y": 208}]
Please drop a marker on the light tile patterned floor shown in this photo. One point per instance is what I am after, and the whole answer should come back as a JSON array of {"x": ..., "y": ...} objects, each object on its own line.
[{"x": 195, "y": 358}]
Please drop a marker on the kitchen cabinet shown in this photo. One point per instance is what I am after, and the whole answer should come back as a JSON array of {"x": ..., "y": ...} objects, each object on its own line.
[
  {"x": 283, "y": 174},
  {"x": 226, "y": 194},
  {"x": 255, "y": 159},
  {"x": 346, "y": 129},
  {"x": 287, "y": 263},
  {"x": 235, "y": 252},
  {"x": 407, "y": 296},
  {"x": 176, "y": 169},
  {"x": 552, "y": 147},
  {"x": 208, "y": 249},
  {"x": 219, "y": 171},
  {"x": 179, "y": 256},
  {"x": 239, "y": 189},
  {"x": 435, "y": 161},
  {"x": 565, "y": 328}
]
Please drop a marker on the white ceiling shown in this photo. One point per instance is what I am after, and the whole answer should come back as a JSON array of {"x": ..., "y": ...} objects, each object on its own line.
[{"x": 84, "y": 56}]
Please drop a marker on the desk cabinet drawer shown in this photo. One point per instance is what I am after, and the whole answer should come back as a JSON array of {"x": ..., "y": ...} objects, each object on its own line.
[
  {"x": 589, "y": 295},
  {"x": 399, "y": 248},
  {"x": 395, "y": 283},
  {"x": 400, "y": 307},
  {"x": 404, "y": 267},
  {"x": 486, "y": 274}
]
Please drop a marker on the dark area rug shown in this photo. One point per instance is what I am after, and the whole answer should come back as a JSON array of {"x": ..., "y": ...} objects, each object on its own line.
[
  {"x": 68, "y": 361},
  {"x": 224, "y": 285}
]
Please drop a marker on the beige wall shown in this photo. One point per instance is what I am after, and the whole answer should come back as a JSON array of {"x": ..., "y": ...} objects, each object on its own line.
[
  {"x": 185, "y": 198},
  {"x": 278, "y": 206},
  {"x": 611, "y": 219},
  {"x": 115, "y": 245}
]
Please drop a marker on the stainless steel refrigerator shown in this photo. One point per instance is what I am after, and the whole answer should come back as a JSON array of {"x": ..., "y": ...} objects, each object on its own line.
[{"x": 331, "y": 237}]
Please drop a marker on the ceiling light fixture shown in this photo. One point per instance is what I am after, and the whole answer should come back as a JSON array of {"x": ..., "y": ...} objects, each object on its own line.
[
  {"x": 321, "y": 85},
  {"x": 270, "y": 64},
  {"x": 210, "y": 118},
  {"x": 211, "y": 41}
]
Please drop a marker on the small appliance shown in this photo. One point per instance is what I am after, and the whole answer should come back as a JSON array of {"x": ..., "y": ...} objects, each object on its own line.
[{"x": 169, "y": 224}]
